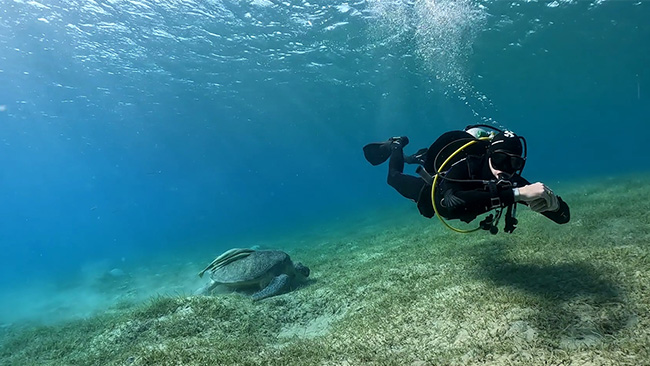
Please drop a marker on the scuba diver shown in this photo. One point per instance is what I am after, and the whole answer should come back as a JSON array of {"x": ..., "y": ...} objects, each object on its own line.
[{"x": 467, "y": 173}]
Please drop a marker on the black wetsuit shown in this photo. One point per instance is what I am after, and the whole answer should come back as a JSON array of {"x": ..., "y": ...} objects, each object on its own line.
[{"x": 469, "y": 190}]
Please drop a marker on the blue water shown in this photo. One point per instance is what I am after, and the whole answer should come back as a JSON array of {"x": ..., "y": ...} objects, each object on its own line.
[{"x": 129, "y": 128}]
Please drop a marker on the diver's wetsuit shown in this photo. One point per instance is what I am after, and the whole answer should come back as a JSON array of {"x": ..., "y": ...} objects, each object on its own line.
[
  {"x": 458, "y": 198},
  {"x": 407, "y": 185}
]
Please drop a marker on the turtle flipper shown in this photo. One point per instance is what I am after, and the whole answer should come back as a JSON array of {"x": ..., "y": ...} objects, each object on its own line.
[
  {"x": 205, "y": 290},
  {"x": 278, "y": 285}
]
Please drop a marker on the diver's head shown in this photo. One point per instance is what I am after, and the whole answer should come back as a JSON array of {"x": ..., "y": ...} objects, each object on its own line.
[{"x": 505, "y": 155}]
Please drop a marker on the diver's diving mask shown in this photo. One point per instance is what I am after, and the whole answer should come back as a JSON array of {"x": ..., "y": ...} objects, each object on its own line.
[{"x": 507, "y": 162}]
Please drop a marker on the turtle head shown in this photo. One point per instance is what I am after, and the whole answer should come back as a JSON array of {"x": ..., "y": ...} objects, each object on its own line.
[{"x": 302, "y": 269}]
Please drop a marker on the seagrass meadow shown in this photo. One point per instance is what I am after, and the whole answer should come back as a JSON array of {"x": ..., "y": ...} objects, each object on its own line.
[
  {"x": 404, "y": 292},
  {"x": 140, "y": 139}
]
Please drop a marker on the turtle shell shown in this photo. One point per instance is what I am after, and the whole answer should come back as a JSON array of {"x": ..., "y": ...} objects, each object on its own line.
[{"x": 255, "y": 267}]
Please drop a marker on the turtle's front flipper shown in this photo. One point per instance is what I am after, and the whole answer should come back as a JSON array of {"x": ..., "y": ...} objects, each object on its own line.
[
  {"x": 278, "y": 285},
  {"x": 205, "y": 290}
]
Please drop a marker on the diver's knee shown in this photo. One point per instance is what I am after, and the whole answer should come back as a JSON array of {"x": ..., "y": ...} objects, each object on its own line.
[{"x": 393, "y": 178}]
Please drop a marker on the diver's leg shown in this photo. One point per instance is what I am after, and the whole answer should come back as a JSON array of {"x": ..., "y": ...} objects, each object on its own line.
[
  {"x": 417, "y": 158},
  {"x": 407, "y": 185}
]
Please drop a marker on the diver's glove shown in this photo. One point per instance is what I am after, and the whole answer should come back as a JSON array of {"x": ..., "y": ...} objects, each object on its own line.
[
  {"x": 547, "y": 202},
  {"x": 538, "y": 196}
]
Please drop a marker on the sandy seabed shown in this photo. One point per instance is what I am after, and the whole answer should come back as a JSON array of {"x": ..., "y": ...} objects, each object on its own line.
[{"x": 387, "y": 291}]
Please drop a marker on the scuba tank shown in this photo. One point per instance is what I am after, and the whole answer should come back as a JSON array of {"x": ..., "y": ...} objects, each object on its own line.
[
  {"x": 445, "y": 146},
  {"x": 450, "y": 142},
  {"x": 479, "y": 132},
  {"x": 450, "y": 148}
]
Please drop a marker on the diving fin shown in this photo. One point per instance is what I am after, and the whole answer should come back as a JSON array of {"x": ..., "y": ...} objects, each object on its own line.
[{"x": 378, "y": 152}]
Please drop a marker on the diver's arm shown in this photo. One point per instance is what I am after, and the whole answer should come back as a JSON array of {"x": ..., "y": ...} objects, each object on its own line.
[
  {"x": 463, "y": 202},
  {"x": 527, "y": 193},
  {"x": 562, "y": 215},
  {"x": 478, "y": 201}
]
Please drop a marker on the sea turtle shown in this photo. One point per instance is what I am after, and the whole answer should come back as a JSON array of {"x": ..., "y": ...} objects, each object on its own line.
[{"x": 271, "y": 271}]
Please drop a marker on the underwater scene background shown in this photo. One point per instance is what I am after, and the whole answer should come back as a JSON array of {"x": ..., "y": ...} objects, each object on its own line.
[{"x": 140, "y": 139}]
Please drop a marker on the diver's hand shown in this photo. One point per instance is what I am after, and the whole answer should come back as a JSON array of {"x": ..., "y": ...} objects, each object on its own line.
[
  {"x": 539, "y": 197},
  {"x": 545, "y": 204},
  {"x": 531, "y": 192}
]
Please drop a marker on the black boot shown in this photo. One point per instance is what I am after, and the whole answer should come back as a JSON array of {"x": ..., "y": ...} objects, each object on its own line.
[{"x": 398, "y": 141}]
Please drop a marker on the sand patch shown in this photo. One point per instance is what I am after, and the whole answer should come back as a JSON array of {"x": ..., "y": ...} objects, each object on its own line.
[{"x": 316, "y": 327}]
